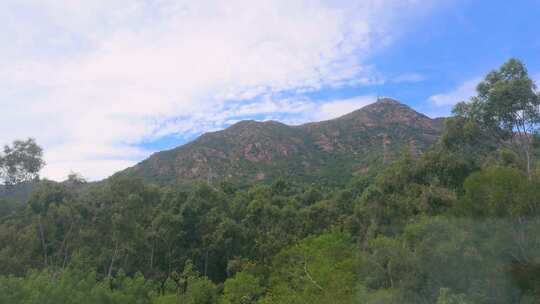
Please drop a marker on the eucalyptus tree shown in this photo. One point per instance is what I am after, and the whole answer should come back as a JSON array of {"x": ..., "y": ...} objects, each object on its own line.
[
  {"x": 507, "y": 107},
  {"x": 21, "y": 162}
]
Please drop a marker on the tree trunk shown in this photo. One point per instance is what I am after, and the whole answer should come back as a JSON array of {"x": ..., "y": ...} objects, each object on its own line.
[
  {"x": 152, "y": 255},
  {"x": 206, "y": 263},
  {"x": 390, "y": 274},
  {"x": 169, "y": 258},
  {"x": 528, "y": 156},
  {"x": 109, "y": 272},
  {"x": 42, "y": 237},
  {"x": 63, "y": 248}
]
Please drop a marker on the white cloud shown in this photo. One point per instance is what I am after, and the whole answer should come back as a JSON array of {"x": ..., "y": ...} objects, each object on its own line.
[
  {"x": 461, "y": 93},
  {"x": 292, "y": 111},
  {"x": 91, "y": 79},
  {"x": 89, "y": 167}
]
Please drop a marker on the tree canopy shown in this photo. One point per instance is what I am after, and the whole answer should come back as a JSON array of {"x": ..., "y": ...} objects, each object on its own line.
[
  {"x": 21, "y": 162},
  {"x": 507, "y": 107},
  {"x": 459, "y": 224}
]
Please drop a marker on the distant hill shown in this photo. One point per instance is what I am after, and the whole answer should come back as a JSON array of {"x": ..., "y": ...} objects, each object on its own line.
[
  {"x": 18, "y": 193},
  {"x": 327, "y": 152}
]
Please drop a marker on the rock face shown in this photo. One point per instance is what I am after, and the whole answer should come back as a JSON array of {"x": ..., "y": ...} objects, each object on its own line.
[{"x": 329, "y": 151}]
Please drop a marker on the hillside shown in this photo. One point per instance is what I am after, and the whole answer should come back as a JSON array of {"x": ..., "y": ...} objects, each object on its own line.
[
  {"x": 19, "y": 192},
  {"x": 326, "y": 152}
]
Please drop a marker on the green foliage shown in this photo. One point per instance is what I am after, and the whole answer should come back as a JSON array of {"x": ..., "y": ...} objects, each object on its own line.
[
  {"x": 21, "y": 162},
  {"x": 318, "y": 270},
  {"x": 73, "y": 287},
  {"x": 507, "y": 108},
  {"x": 500, "y": 192},
  {"x": 243, "y": 288},
  {"x": 446, "y": 297},
  {"x": 418, "y": 229},
  {"x": 458, "y": 224}
]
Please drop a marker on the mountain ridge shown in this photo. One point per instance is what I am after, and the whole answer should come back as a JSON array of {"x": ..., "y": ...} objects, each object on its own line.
[{"x": 334, "y": 149}]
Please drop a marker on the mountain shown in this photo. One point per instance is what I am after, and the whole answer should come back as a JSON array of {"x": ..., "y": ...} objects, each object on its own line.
[{"x": 327, "y": 152}]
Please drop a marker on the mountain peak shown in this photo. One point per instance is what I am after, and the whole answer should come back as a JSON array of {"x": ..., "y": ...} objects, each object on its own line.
[
  {"x": 384, "y": 110},
  {"x": 387, "y": 101},
  {"x": 388, "y": 112},
  {"x": 251, "y": 150},
  {"x": 385, "y": 104}
]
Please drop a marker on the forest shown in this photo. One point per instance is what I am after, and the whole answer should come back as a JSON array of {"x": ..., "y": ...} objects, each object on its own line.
[{"x": 458, "y": 224}]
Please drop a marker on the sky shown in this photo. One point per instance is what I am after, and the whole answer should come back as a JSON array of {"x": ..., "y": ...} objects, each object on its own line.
[{"x": 103, "y": 84}]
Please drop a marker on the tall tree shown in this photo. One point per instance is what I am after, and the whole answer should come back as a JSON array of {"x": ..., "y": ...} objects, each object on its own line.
[
  {"x": 508, "y": 107},
  {"x": 21, "y": 162}
]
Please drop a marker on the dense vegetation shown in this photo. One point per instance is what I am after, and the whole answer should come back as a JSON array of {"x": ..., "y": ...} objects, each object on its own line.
[{"x": 457, "y": 224}]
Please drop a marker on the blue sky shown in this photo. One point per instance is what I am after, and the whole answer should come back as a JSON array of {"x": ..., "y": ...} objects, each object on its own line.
[{"x": 103, "y": 84}]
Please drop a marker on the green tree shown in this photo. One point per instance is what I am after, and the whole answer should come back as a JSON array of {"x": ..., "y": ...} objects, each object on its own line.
[
  {"x": 446, "y": 297},
  {"x": 507, "y": 107},
  {"x": 196, "y": 289},
  {"x": 54, "y": 218},
  {"x": 320, "y": 269},
  {"x": 21, "y": 162},
  {"x": 243, "y": 288},
  {"x": 500, "y": 192}
]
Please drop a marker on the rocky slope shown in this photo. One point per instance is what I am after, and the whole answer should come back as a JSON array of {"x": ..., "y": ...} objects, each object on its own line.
[{"x": 327, "y": 152}]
